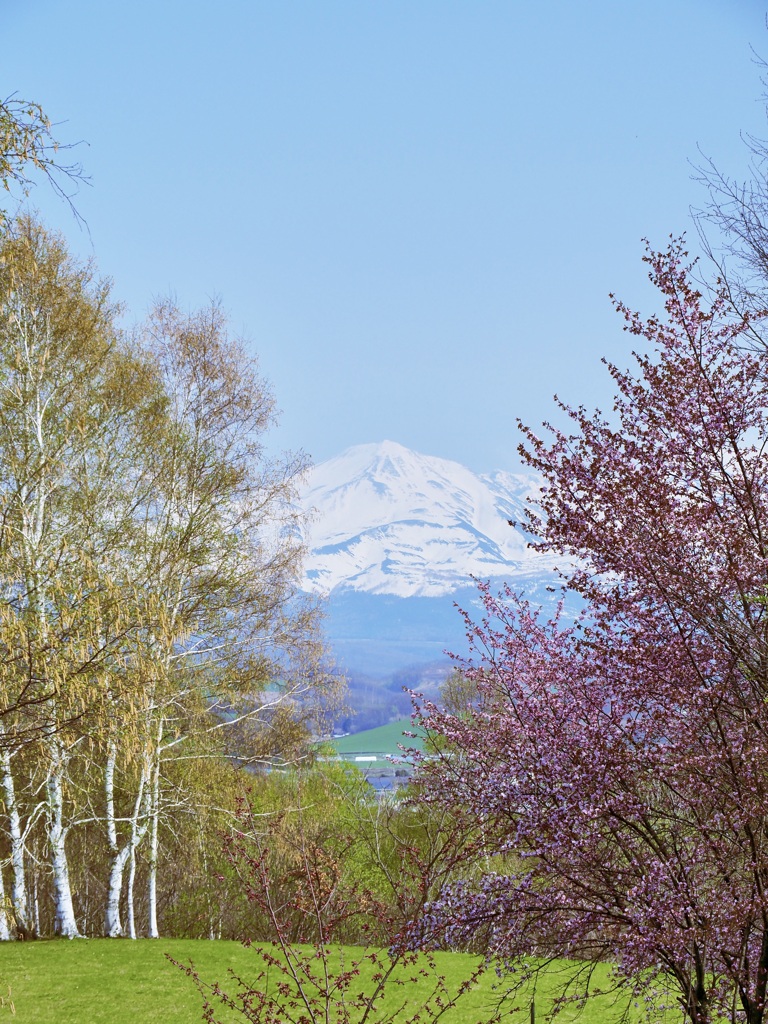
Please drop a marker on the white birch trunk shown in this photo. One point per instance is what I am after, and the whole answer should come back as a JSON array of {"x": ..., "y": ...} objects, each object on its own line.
[
  {"x": 130, "y": 895},
  {"x": 139, "y": 825},
  {"x": 154, "y": 830},
  {"x": 112, "y": 925},
  {"x": 36, "y": 907},
  {"x": 19, "y": 897},
  {"x": 5, "y": 931},
  {"x": 65, "y": 923},
  {"x": 120, "y": 855}
]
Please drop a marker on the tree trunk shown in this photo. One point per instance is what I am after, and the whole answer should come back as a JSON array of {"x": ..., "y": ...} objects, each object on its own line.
[
  {"x": 5, "y": 931},
  {"x": 113, "y": 927},
  {"x": 154, "y": 826},
  {"x": 36, "y": 905},
  {"x": 65, "y": 924},
  {"x": 120, "y": 855},
  {"x": 19, "y": 899},
  {"x": 130, "y": 894}
]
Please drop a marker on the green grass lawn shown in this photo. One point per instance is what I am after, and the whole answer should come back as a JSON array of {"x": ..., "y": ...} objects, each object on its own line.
[
  {"x": 102, "y": 981},
  {"x": 383, "y": 740}
]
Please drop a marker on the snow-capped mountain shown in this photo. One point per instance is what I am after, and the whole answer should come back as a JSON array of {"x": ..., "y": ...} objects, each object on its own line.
[{"x": 390, "y": 521}]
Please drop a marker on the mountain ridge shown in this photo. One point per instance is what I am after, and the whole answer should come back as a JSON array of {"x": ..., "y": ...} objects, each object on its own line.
[
  {"x": 394, "y": 544},
  {"x": 392, "y": 521}
]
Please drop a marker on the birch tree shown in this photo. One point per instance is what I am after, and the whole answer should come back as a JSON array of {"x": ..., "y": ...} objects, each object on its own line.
[
  {"x": 66, "y": 411},
  {"x": 149, "y": 558},
  {"x": 235, "y": 639},
  {"x": 228, "y": 656}
]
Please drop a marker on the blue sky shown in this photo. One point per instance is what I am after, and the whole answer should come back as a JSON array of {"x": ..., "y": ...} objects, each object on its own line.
[{"x": 413, "y": 210}]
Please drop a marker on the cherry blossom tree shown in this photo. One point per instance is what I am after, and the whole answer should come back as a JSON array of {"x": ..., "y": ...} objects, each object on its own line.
[{"x": 618, "y": 762}]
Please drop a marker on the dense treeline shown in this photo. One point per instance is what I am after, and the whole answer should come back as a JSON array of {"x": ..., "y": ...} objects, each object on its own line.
[{"x": 150, "y": 625}]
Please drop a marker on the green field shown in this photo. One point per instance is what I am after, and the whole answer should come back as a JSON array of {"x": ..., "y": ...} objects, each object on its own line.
[
  {"x": 383, "y": 740},
  {"x": 103, "y": 981}
]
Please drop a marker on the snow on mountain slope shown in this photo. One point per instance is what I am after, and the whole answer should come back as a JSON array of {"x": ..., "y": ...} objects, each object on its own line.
[{"x": 391, "y": 521}]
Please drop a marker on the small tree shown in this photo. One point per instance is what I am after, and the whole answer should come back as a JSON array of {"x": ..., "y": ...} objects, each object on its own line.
[
  {"x": 219, "y": 549},
  {"x": 329, "y": 867},
  {"x": 75, "y": 400}
]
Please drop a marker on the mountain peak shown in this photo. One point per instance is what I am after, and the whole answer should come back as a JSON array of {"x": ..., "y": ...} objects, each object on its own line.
[
  {"x": 392, "y": 521},
  {"x": 380, "y": 449}
]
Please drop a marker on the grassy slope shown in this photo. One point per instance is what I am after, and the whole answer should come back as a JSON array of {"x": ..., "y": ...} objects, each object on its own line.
[
  {"x": 383, "y": 740},
  {"x": 102, "y": 981}
]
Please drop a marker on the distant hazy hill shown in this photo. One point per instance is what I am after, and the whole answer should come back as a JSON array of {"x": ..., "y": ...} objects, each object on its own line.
[{"x": 396, "y": 538}]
